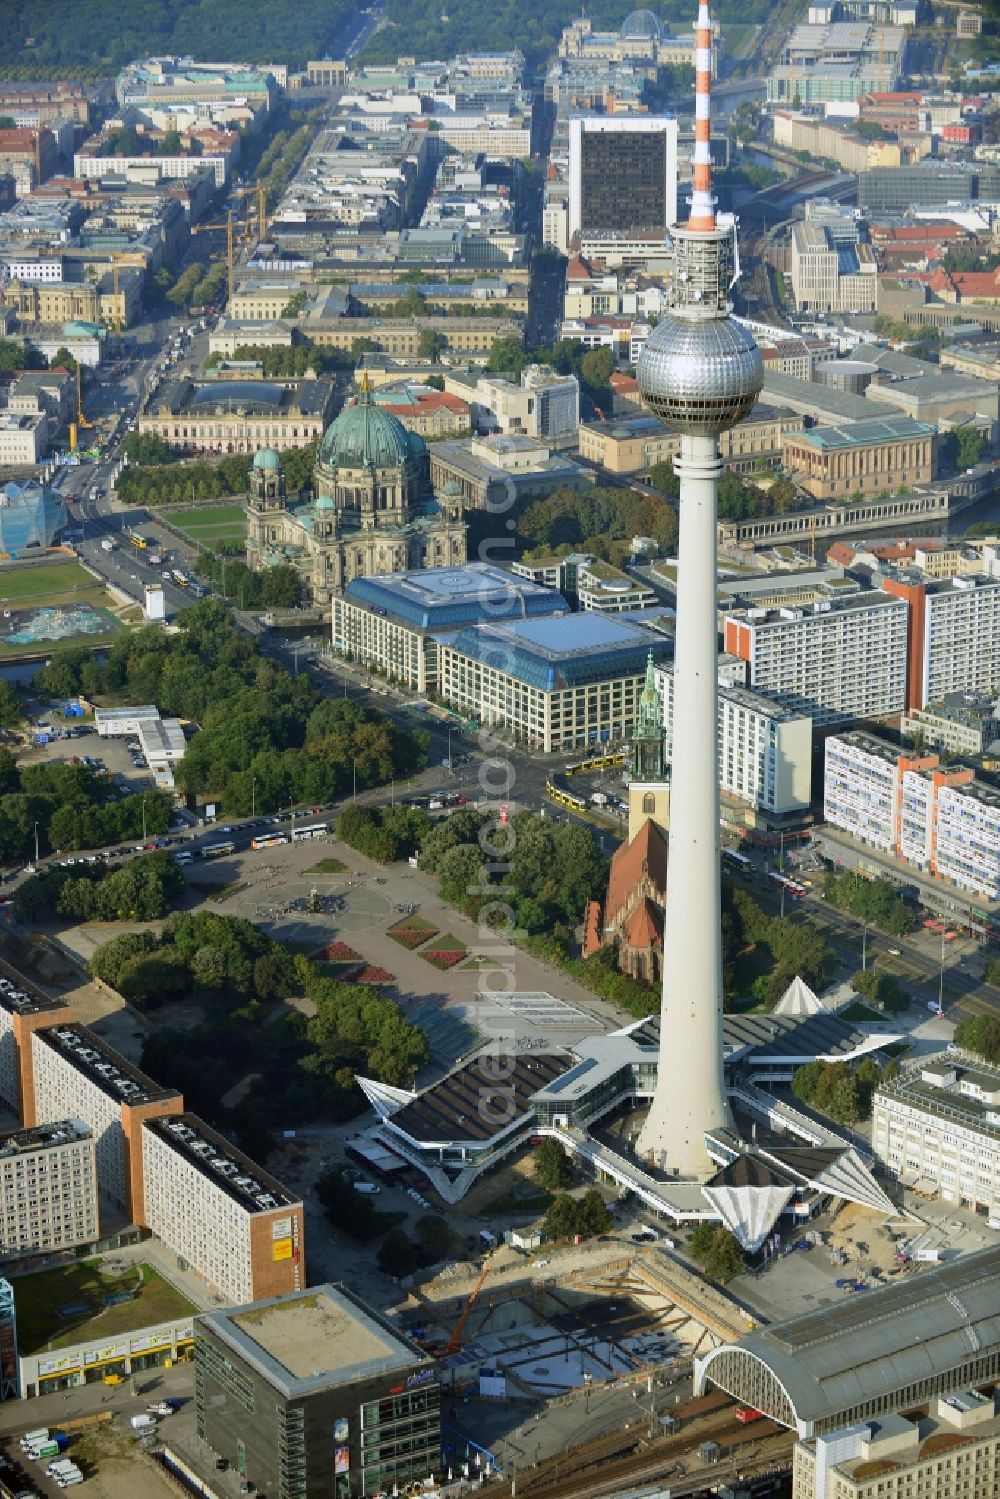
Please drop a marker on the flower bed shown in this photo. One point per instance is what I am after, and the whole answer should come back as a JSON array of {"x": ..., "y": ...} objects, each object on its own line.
[
  {"x": 371, "y": 974},
  {"x": 411, "y": 937},
  {"x": 445, "y": 952},
  {"x": 336, "y": 952}
]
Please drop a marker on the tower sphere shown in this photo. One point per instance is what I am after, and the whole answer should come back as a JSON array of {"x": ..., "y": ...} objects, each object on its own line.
[{"x": 700, "y": 376}]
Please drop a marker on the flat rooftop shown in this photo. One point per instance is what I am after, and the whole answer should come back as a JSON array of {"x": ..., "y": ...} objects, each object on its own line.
[
  {"x": 222, "y": 1163},
  {"x": 16, "y": 999},
  {"x": 102, "y": 1066},
  {"x": 42, "y": 1137},
  {"x": 449, "y": 597},
  {"x": 315, "y": 1339}
]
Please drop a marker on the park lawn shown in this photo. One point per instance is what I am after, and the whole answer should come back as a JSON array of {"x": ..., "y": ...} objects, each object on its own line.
[
  {"x": 217, "y": 523},
  {"x": 54, "y": 582},
  {"x": 39, "y": 1297},
  {"x": 327, "y": 866}
]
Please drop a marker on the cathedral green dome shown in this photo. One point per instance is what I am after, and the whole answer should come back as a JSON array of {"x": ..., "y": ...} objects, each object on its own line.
[
  {"x": 267, "y": 458},
  {"x": 366, "y": 436}
]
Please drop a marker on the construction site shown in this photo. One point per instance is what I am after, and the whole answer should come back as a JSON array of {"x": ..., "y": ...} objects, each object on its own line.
[{"x": 575, "y": 1372}]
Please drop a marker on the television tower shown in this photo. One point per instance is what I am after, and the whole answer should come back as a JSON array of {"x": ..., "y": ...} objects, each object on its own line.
[{"x": 700, "y": 373}]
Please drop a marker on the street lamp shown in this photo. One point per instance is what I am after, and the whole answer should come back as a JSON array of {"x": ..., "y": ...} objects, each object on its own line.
[
  {"x": 864, "y": 946},
  {"x": 354, "y": 779},
  {"x": 253, "y": 797},
  {"x": 36, "y": 842},
  {"x": 941, "y": 978}
]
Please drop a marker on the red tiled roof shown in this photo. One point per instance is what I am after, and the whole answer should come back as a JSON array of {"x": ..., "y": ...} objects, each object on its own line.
[
  {"x": 644, "y": 927},
  {"x": 432, "y": 401},
  {"x": 976, "y": 283},
  {"x": 644, "y": 858},
  {"x": 625, "y": 384},
  {"x": 578, "y": 269},
  {"x": 591, "y": 928}
]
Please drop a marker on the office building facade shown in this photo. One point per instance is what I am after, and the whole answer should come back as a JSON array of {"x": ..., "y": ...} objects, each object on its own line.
[
  {"x": 839, "y": 660},
  {"x": 765, "y": 750},
  {"x": 317, "y": 1396},
  {"x": 48, "y": 1189},
  {"x": 952, "y": 1453},
  {"x": 937, "y": 1123},
  {"x": 394, "y": 624},
  {"x": 569, "y": 682},
  {"x": 622, "y": 174},
  {"x": 237, "y": 1227}
]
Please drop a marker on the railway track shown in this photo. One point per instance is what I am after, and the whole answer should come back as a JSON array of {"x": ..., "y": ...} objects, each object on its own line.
[{"x": 600, "y": 1467}]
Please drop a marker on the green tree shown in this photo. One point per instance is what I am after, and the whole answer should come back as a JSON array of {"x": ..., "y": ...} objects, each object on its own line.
[
  {"x": 507, "y": 356},
  {"x": 435, "y": 1240},
  {"x": 396, "y": 1255},
  {"x": 596, "y": 368},
  {"x": 147, "y": 447},
  {"x": 594, "y": 1216},
  {"x": 980, "y": 1034},
  {"x": 716, "y": 1250},
  {"x": 553, "y": 1167},
  {"x": 562, "y": 1220},
  {"x": 431, "y": 344},
  {"x": 11, "y": 712}
]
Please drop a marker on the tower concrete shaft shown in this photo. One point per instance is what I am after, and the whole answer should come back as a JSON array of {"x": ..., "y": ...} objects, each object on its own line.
[
  {"x": 700, "y": 373},
  {"x": 690, "y": 1096}
]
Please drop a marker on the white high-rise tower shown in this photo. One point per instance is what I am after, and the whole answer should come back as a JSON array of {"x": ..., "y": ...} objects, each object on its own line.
[{"x": 701, "y": 373}]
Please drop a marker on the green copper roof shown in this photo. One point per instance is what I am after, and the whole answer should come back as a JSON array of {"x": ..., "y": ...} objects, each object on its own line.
[
  {"x": 365, "y": 436},
  {"x": 266, "y": 458}
]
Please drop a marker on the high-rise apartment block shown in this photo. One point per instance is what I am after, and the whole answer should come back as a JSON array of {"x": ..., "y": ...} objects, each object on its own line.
[
  {"x": 239, "y": 1229},
  {"x": 939, "y": 819},
  {"x": 622, "y": 174},
  {"x": 837, "y": 660},
  {"x": 954, "y": 636},
  {"x": 76, "y": 1076},
  {"x": 22, "y": 1011},
  {"x": 48, "y": 1189},
  {"x": 765, "y": 750}
]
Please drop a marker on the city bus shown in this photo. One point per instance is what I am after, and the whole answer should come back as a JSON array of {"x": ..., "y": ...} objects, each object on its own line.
[
  {"x": 738, "y": 860},
  {"x": 218, "y": 850},
  {"x": 268, "y": 840},
  {"x": 312, "y": 830},
  {"x": 137, "y": 539}
]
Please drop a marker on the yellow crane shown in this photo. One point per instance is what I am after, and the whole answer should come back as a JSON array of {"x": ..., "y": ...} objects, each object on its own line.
[{"x": 81, "y": 420}]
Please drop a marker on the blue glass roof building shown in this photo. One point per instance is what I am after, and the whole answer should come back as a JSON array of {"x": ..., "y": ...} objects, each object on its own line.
[
  {"x": 446, "y": 598},
  {"x": 31, "y": 516},
  {"x": 571, "y": 681},
  {"x": 565, "y": 651},
  {"x": 394, "y": 622}
]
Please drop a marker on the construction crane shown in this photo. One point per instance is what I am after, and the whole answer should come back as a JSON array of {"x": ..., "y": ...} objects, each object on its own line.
[
  {"x": 229, "y": 228},
  {"x": 456, "y": 1337},
  {"x": 81, "y": 420}
]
